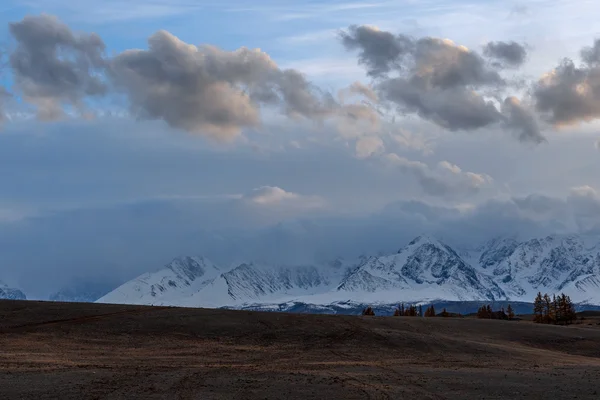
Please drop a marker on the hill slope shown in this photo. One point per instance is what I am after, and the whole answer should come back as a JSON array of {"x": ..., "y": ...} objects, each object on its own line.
[{"x": 115, "y": 351}]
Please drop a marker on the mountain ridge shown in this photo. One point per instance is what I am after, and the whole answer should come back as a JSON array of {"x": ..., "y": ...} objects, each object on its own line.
[
  {"x": 425, "y": 269},
  {"x": 9, "y": 293}
]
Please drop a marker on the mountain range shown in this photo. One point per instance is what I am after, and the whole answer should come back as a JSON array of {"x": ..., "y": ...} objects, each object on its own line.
[
  {"x": 425, "y": 270},
  {"x": 9, "y": 293}
]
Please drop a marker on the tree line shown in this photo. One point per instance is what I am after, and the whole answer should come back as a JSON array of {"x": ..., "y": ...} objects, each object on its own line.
[
  {"x": 555, "y": 310},
  {"x": 413, "y": 311},
  {"x": 486, "y": 312}
]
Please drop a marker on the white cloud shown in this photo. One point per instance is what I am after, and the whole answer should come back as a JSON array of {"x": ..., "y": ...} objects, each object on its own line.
[
  {"x": 266, "y": 195},
  {"x": 450, "y": 167},
  {"x": 584, "y": 191},
  {"x": 269, "y": 196},
  {"x": 446, "y": 179}
]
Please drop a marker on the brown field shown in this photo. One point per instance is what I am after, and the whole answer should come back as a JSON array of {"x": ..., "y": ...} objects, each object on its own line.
[{"x": 89, "y": 351}]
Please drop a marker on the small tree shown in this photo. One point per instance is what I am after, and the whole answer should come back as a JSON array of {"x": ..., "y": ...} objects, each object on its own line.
[
  {"x": 397, "y": 313},
  {"x": 368, "y": 311},
  {"x": 510, "y": 311},
  {"x": 430, "y": 312},
  {"x": 444, "y": 313}
]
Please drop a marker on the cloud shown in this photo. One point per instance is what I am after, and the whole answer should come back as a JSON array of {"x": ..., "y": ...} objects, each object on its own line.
[
  {"x": 379, "y": 51},
  {"x": 269, "y": 196},
  {"x": 435, "y": 78},
  {"x": 367, "y": 146},
  {"x": 54, "y": 67},
  {"x": 4, "y": 96},
  {"x": 584, "y": 203},
  {"x": 360, "y": 89},
  {"x": 511, "y": 54},
  {"x": 446, "y": 179},
  {"x": 453, "y": 108},
  {"x": 208, "y": 90},
  {"x": 522, "y": 121},
  {"x": 200, "y": 89},
  {"x": 597, "y": 144},
  {"x": 568, "y": 94},
  {"x": 591, "y": 55}
]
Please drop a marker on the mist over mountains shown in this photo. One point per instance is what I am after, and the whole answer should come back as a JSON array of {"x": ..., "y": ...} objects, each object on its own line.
[{"x": 425, "y": 270}]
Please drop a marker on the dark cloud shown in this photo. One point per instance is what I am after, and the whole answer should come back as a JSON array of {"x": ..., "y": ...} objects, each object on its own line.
[
  {"x": 54, "y": 67},
  {"x": 194, "y": 88},
  {"x": 4, "y": 97},
  {"x": 208, "y": 90},
  {"x": 522, "y": 121},
  {"x": 436, "y": 79},
  {"x": 591, "y": 55},
  {"x": 506, "y": 53},
  {"x": 454, "y": 109},
  {"x": 379, "y": 51},
  {"x": 569, "y": 95},
  {"x": 443, "y": 64}
]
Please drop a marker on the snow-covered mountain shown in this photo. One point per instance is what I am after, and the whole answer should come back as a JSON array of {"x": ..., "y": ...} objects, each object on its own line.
[
  {"x": 11, "y": 293},
  {"x": 82, "y": 292},
  {"x": 425, "y": 270}
]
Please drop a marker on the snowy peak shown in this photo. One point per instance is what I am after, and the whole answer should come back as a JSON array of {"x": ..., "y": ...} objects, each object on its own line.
[
  {"x": 82, "y": 292},
  {"x": 495, "y": 251},
  {"x": 430, "y": 259},
  {"x": 423, "y": 264},
  {"x": 9, "y": 293},
  {"x": 426, "y": 269},
  {"x": 252, "y": 282},
  {"x": 188, "y": 269},
  {"x": 181, "y": 277}
]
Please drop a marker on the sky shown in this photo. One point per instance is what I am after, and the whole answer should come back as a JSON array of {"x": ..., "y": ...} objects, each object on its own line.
[{"x": 287, "y": 131}]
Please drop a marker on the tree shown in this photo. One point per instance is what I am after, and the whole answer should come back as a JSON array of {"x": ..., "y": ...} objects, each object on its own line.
[
  {"x": 510, "y": 311},
  {"x": 411, "y": 311},
  {"x": 368, "y": 311},
  {"x": 538, "y": 308},
  {"x": 397, "y": 313},
  {"x": 430, "y": 312},
  {"x": 444, "y": 313},
  {"x": 556, "y": 311},
  {"x": 570, "y": 312},
  {"x": 548, "y": 317},
  {"x": 420, "y": 310}
]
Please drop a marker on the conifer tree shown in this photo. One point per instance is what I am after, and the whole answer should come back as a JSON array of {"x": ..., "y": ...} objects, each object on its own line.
[
  {"x": 511, "y": 312},
  {"x": 368, "y": 311},
  {"x": 397, "y": 313},
  {"x": 570, "y": 312},
  {"x": 538, "y": 308},
  {"x": 548, "y": 318}
]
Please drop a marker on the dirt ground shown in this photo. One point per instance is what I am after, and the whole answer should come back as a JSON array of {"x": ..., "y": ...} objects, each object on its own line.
[{"x": 89, "y": 351}]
